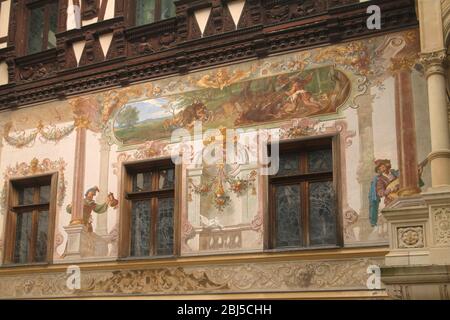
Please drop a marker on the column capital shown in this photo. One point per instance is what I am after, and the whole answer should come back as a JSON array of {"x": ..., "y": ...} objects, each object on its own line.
[
  {"x": 82, "y": 122},
  {"x": 434, "y": 62},
  {"x": 402, "y": 63}
]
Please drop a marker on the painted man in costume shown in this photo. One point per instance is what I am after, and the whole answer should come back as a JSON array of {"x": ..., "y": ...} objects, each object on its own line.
[
  {"x": 384, "y": 186},
  {"x": 90, "y": 205},
  {"x": 379, "y": 188}
]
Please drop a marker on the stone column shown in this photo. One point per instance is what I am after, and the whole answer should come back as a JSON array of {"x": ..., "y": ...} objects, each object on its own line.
[
  {"x": 405, "y": 123},
  {"x": 102, "y": 219},
  {"x": 435, "y": 65}
]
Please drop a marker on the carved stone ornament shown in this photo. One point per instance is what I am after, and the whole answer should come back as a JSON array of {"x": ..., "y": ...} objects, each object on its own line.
[
  {"x": 410, "y": 237},
  {"x": 435, "y": 62},
  {"x": 441, "y": 223}
]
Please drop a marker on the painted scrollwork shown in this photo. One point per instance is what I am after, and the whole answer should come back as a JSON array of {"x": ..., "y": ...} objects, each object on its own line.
[
  {"x": 24, "y": 169},
  {"x": 228, "y": 278}
]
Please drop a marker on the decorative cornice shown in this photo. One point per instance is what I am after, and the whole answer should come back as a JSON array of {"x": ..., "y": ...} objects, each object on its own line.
[{"x": 176, "y": 47}]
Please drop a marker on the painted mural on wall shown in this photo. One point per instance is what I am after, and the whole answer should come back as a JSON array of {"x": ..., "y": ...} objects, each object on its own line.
[
  {"x": 233, "y": 101},
  {"x": 346, "y": 89}
]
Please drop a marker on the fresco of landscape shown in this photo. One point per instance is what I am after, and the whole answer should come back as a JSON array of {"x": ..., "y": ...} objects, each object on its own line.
[{"x": 242, "y": 103}]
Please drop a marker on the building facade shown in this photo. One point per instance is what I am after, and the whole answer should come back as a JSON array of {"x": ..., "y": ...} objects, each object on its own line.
[{"x": 224, "y": 149}]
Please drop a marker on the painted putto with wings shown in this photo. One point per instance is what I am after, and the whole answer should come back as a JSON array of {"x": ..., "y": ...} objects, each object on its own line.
[{"x": 222, "y": 79}]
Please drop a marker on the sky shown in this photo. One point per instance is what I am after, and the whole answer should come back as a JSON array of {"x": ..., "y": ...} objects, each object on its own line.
[{"x": 151, "y": 109}]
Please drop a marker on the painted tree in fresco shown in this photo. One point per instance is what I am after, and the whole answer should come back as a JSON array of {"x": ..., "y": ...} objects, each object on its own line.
[{"x": 128, "y": 117}]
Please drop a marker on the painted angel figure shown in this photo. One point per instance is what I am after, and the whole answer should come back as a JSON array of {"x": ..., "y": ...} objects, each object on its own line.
[{"x": 90, "y": 205}]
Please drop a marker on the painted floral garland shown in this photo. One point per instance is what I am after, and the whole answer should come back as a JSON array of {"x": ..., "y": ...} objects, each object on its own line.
[{"x": 21, "y": 139}]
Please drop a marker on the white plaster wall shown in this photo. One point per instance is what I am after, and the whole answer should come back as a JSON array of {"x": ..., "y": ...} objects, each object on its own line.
[
  {"x": 202, "y": 16},
  {"x": 384, "y": 132},
  {"x": 4, "y": 18},
  {"x": 109, "y": 13},
  {"x": 3, "y": 73},
  {"x": 78, "y": 48},
  {"x": 113, "y": 186},
  {"x": 73, "y": 16},
  {"x": 352, "y": 159},
  {"x": 105, "y": 42},
  {"x": 235, "y": 7},
  {"x": 92, "y": 167}
]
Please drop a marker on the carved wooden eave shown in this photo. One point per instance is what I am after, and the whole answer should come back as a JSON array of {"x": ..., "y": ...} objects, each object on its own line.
[{"x": 175, "y": 45}]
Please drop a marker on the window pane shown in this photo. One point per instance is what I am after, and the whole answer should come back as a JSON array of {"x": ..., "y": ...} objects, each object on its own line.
[
  {"x": 26, "y": 196},
  {"x": 142, "y": 182},
  {"x": 165, "y": 226},
  {"x": 145, "y": 12},
  {"x": 44, "y": 194},
  {"x": 288, "y": 216},
  {"x": 23, "y": 237},
  {"x": 36, "y": 30},
  {"x": 289, "y": 165},
  {"x": 320, "y": 161},
  {"x": 140, "y": 228},
  {"x": 41, "y": 240},
  {"x": 167, "y": 9},
  {"x": 53, "y": 25},
  {"x": 322, "y": 216},
  {"x": 166, "y": 178}
]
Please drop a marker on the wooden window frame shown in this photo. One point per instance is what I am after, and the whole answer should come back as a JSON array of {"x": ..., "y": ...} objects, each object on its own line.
[
  {"x": 14, "y": 208},
  {"x": 127, "y": 196},
  {"x": 132, "y": 13},
  {"x": 32, "y": 4},
  {"x": 302, "y": 147}
]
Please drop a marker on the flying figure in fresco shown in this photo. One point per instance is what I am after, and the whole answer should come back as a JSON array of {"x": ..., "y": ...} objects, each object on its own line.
[
  {"x": 90, "y": 205},
  {"x": 385, "y": 185},
  {"x": 298, "y": 95}
]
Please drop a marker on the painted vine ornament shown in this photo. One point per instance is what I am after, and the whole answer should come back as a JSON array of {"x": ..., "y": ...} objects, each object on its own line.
[
  {"x": 216, "y": 187},
  {"x": 22, "y": 139}
]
